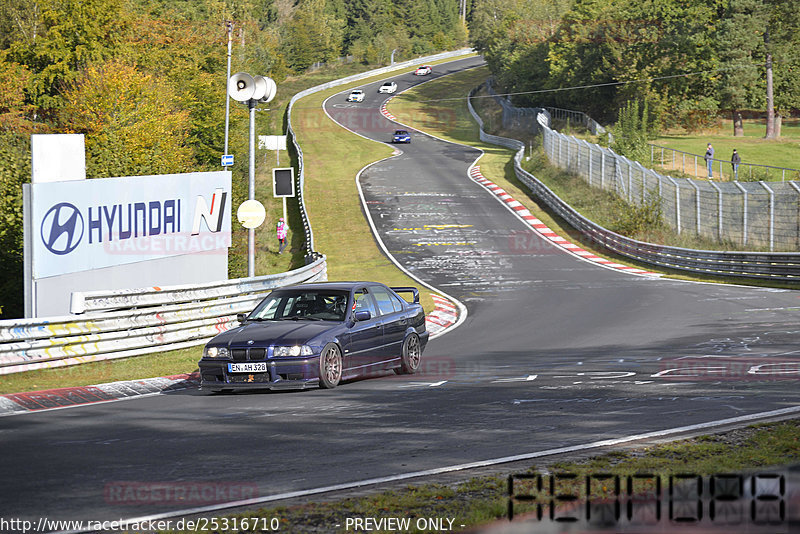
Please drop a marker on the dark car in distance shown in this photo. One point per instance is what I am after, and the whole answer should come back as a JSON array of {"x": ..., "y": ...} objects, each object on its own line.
[{"x": 318, "y": 334}]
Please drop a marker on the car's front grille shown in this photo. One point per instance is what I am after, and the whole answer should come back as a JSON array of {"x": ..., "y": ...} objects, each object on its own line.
[
  {"x": 258, "y": 354},
  {"x": 243, "y": 355}
]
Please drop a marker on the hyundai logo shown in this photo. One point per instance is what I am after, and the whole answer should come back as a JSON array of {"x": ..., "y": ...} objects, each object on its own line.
[{"x": 62, "y": 228}]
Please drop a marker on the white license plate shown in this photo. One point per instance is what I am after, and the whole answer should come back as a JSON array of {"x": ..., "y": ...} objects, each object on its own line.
[{"x": 255, "y": 367}]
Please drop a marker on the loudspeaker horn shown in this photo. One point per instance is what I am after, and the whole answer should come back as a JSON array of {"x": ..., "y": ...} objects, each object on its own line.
[
  {"x": 259, "y": 88},
  {"x": 241, "y": 87},
  {"x": 270, "y": 91}
]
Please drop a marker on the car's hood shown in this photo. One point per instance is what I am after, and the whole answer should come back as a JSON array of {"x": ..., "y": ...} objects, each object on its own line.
[{"x": 266, "y": 333}]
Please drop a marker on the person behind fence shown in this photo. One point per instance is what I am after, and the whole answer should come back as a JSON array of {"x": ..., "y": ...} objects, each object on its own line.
[
  {"x": 735, "y": 161},
  {"x": 709, "y": 157},
  {"x": 281, "y": 230}
]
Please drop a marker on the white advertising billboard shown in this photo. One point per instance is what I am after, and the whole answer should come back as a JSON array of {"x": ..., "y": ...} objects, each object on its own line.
[{"x": 92, "y": 224}]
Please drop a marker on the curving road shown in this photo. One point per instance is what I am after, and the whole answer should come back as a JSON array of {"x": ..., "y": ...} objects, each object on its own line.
[{"x": 555, "y": 352}]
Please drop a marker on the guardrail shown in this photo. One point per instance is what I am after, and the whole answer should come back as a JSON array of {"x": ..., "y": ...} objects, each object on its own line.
[
  {"x": 784, "y": 267},
  {"x": 309, "y": 234},
  {"x": 118, "y": 324}
]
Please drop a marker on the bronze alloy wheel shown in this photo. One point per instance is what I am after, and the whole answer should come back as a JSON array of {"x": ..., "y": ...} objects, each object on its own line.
[
  {"x": 412, "y": 356},
  {"x": 330, "y": 366}
]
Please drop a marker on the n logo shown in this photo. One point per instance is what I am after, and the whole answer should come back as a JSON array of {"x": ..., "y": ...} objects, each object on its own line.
[{"x": 212, "y": 216}]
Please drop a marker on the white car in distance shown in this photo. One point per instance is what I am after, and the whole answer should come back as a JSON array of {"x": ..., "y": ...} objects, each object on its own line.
[
  {"x": 388, "y": 87},
  {"x": 356, "y": 96}
]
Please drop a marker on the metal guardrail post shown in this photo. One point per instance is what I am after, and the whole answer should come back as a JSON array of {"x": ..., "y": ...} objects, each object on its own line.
[{"x": 771, "y": 215}]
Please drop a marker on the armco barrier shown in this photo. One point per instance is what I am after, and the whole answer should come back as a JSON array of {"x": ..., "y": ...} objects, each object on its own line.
[
  {"x": 125, "y": 323},
  {"x": 309, "y": 234},
  {"x": 784, "y": 267}
]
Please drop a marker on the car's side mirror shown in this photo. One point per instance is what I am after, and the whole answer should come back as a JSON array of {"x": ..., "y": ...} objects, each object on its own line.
[
  {"x": 363, "y": 315},
  {"x": 241, "y": 317}
]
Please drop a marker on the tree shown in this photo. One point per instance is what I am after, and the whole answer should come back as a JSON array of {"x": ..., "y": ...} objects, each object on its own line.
[
  {"x": 132, "y": 122},
  {"x": 739, "y": 41},
  {"x": 313, "y": 35}
]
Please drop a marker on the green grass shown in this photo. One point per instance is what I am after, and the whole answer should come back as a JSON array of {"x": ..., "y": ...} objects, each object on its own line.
[{"x": 753, "y": 148}]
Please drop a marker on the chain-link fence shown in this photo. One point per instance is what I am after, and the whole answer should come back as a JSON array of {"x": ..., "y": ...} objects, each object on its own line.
[{"x": 751, "y": 214}]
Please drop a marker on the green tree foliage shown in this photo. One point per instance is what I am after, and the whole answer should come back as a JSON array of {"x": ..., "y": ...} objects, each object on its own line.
[
  {"x": 632, "y": 131},
  {"x": 689, "y": 59},
  {"x": 740, "y": 42},
  {"x": 15, "y": 168},
  {"x": 131, "y": 120},
  {"x": 314, "y": 35}
]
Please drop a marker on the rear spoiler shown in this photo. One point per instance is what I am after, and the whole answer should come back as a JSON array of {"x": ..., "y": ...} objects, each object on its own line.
[{"x": 412, "y": 290}]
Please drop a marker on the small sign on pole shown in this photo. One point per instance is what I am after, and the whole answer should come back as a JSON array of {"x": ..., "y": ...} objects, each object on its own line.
[
  {"x": 283, "y": 182},
  {"x": 227, "y": 160}
]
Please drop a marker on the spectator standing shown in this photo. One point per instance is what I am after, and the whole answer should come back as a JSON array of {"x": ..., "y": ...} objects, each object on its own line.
[
  {"x": 709, "y": 157},
  {"x": 281, "y": 231},
  {"x": 735, "y": 161}
]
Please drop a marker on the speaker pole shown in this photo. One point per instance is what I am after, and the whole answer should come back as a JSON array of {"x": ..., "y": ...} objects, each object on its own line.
[
  {"x": 229, "y": 26},
  {"x": 251, "y": 237}
]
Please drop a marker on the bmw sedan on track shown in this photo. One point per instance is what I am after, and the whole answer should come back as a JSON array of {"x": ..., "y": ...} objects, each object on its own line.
[
  {"x": 318, "y": 335},
  {"x": 388, "y": 87},
  {"x": 356, "y": 96}
]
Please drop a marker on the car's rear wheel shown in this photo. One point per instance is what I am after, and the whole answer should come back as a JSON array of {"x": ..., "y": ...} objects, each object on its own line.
[
  {"x": 411, "y": 357},
  {"x": 330, "y": 366}
]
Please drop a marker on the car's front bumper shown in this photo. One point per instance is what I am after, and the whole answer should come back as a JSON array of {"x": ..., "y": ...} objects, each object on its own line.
[{"x": 287, "y": 373}]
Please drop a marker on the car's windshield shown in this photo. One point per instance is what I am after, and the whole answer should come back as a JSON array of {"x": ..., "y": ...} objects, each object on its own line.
[
  {"x": 401, "y": 132},
  {"x": 320, "y": 305}
]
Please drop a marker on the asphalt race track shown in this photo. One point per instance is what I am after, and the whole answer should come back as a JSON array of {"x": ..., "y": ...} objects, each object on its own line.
[{"x": 555, "y": 352}]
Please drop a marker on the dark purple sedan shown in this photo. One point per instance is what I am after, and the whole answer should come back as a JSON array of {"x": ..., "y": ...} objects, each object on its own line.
[{"x": 318, "y": 335}]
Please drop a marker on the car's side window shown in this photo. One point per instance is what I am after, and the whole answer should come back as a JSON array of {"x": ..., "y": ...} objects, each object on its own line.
[
  {"x": 364, "y": 303},
  {"x": 396, "y": 303},
  {"x": 384, "y": 299}
]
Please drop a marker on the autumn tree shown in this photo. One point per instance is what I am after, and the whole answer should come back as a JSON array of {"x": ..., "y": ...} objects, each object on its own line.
[{"x": 131, "y": 120}]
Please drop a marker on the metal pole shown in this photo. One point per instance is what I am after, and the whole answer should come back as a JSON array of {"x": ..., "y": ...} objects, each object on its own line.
[
  {"x": 719, "y": 209},
  {"x": 677, "y": 203},
  {"x": 744, "y": 212},
  {"x": 251, "y": 233},
  {"x": 696, "y": 205},
  {"x": 796, "y": 188},
  {"x": 229, "y": 25},
  {"x": 771, "y": 215}
]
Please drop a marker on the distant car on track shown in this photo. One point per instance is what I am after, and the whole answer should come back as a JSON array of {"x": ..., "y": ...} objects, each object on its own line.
[
  {"x": 423, "y": 70},
  {"x": 401, "y": 136},
  {"x": 318, "y": 334},
  {"x": 388, "y": 87},
  {"x": 356, "y": 96}
]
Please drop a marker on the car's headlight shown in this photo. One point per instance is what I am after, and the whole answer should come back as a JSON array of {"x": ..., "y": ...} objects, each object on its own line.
[
  {"x": 215, "y": 352},
  {"x": 294, "y": 350}
]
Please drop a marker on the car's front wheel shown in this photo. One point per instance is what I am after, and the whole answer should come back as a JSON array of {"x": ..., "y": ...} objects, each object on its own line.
[
  {"x": 330, "y": 366},
  {"x": 411, "y": 357}
]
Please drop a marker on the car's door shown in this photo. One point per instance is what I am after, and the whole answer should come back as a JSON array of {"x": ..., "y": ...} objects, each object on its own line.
[
  {"x": 394, "y": 321},
  {"x": 366, "y": 337}
]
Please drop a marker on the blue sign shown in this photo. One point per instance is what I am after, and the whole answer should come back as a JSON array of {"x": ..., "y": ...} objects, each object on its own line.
[{"x": 227, "y": 160}]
